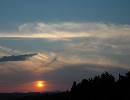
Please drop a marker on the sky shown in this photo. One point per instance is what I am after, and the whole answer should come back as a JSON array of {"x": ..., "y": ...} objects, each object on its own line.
[{"x": 57, "y": 42}]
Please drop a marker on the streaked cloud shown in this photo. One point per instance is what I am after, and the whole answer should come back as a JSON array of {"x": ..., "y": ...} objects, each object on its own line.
[
  {"x": 4, "y": 51},
  {"x": 64, "y": 30},
  {"x": 86, "y": 42}
]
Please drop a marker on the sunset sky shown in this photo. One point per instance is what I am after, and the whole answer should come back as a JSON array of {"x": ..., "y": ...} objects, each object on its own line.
[{"x": 56, "y": 42}]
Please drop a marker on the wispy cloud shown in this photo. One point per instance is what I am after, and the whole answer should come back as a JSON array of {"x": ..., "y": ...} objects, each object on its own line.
[
  {"x": 103, "y": 43},
  {"x": 70, "y": 30},
  {"x": 36, "y": 63},
  {"x": 95, "y": 40},
  {"x": 4, "y": 51}
]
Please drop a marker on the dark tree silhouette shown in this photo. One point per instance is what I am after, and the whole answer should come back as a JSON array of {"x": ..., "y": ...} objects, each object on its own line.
[{"x": 102, "y": 87}]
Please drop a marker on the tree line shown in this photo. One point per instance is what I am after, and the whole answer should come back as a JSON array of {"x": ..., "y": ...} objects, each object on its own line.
[{"x": 103, "y": 87}]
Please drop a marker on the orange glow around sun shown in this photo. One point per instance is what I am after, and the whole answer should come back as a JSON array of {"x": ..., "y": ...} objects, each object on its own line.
[{"x": 40, "y": 84}]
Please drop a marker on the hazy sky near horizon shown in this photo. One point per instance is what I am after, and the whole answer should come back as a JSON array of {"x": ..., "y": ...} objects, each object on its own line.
[{"x": 61, "y": 41}]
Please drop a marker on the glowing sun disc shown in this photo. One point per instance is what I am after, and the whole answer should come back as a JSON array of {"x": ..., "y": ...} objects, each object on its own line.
[{"x": 40, "y": 84}]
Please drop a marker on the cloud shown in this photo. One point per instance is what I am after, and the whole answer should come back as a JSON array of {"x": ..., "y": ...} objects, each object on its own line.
[
  {"x": 34, "y": 63},
  {"x": 64, "y": 30},
  {"x": 99, "y": 43},
  {"x": 16, "y": 57},
  {"x": 4, "y": 51}
]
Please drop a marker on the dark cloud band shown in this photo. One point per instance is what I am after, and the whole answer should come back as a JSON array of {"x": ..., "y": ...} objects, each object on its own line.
[{"x": 16, "y": 57}]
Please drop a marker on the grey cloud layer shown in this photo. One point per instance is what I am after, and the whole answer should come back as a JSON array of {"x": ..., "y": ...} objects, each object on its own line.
[{"x": 16, "y": 57}]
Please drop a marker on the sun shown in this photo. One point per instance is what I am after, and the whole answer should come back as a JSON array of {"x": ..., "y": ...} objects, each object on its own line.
[{"x": 40, "y": 84}]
